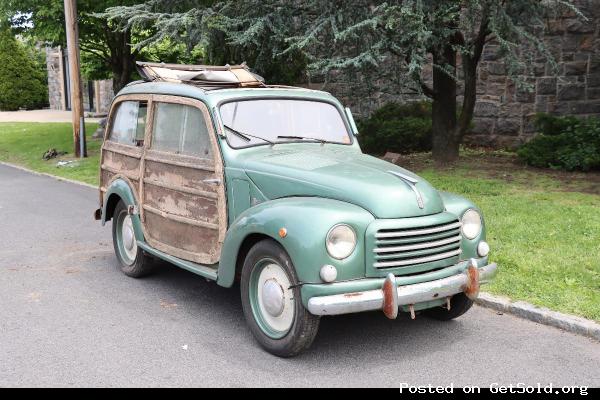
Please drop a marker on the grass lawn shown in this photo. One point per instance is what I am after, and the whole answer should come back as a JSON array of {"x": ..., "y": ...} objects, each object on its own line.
[
  {"x": 24, "y": 143},
  {"x": 543, "y": 225},
  {"x": 543, "y": 228}
]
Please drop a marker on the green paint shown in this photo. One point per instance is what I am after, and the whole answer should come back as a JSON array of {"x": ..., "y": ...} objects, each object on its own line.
[
  {"x": 202, "y": 270},
  {"x": 307, "y": 188}
]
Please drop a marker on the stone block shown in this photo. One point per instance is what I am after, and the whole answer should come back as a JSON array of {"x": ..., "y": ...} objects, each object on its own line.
[
  {"x": 496, "y": 68},
  {"x": 555, "y": 27},
  {"x": 571, "y": 92},
  {"x": 541, "y": 104},
  {"x": 575, "y": 68},
  {"x": 510, "y": 110},
  {"x": 483, "y": 126},
  {"x": 577, "y": 25},
  {"x": 525, "y": 96},
  {"x": 508, "y": 126},
  {"x": 486, "y": 109},
  {"x": 593, "y": 93},
  {"x": 594, "y": 63},
  {"x": 546, "y": 86},
  {"x": 587, "y": 107},
  {"x": 593, "y": 80},
  {"x": 586, "y": 43}
]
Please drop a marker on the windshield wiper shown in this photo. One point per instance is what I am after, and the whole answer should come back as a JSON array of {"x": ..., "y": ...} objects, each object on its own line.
[
  {"x": 322, "y": 141},
  {"x": 246, "y": 136}
]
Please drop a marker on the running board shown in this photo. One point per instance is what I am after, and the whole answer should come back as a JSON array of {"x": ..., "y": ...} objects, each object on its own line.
[{"x": 202, "y": 270}]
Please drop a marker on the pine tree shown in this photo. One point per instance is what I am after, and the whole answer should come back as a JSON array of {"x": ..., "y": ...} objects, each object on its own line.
[
  {"x": 398, "y": 39},
  {"x": 22, "y": 83}
]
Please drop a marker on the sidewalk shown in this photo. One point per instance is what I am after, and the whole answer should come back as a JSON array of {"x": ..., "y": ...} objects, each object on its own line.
[{"x": 39, "y": 116}]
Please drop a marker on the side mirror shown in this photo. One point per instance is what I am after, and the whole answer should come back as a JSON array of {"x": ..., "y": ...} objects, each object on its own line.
[{"x": 351, "y": 119}]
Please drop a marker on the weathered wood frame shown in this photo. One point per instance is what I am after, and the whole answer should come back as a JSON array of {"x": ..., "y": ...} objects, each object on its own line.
[{"x": 114, "y": 157}]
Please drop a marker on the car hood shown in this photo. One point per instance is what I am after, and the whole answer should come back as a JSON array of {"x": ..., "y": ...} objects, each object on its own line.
[{"x": 341, "y": 173}]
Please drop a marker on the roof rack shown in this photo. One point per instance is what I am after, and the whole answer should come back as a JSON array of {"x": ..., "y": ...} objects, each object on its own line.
[{"x": 207, "y": 77}]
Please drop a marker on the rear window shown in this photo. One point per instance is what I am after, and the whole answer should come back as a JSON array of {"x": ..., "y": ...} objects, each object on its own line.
[{"x": 129, "y": 123}]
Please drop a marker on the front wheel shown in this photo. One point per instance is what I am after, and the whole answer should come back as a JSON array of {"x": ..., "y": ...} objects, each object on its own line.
[
  {"x": 134, "y": 261},
  {"x": 272, "y": 303}
]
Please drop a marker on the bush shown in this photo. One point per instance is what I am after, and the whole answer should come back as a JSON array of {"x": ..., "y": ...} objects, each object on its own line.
[
  {"x": 399, "y": 128},
  {"x": 22, "y": 80},
  {"x": 565, "y": 143}
]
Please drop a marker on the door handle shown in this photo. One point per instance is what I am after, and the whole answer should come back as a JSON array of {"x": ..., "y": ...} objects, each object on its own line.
[{"x": 214, "y": 182}]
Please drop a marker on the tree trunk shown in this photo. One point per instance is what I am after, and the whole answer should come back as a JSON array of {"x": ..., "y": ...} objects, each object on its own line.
[
  {"x": 121, "y": 76},
  {"x": 446, "y": 140},
  {"x": 122, "y": 60}
]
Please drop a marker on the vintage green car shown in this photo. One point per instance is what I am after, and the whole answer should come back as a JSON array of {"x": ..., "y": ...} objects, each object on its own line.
[{"x": 214, "y": 171}]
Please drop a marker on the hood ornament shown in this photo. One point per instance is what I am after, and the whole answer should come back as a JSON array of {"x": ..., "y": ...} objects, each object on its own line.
[{"x": 411, "y": 182}]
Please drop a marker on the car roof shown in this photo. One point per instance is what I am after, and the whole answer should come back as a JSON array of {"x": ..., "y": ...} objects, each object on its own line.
[{"x": 217, "y": 96}]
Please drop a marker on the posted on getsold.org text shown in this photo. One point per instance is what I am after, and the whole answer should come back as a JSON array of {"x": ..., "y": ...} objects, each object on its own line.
[{"x": 496, "y": 388}]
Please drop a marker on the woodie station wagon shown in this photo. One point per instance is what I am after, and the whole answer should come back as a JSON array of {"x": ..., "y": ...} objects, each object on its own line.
[{"x": 216, "y": 172}]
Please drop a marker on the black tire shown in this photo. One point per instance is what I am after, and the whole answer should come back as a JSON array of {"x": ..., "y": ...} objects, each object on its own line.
[
  {"x": 459, "y": 304},
  {"x": 140, "y": 266},
  {"x": 304, "y": 327}
]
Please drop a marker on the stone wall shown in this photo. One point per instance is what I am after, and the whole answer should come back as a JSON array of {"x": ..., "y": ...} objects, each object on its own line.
[
  {"x": 504, "y": 116},
  {"x": 101, "y": 90},
  {"x": 55, "y": 80}
]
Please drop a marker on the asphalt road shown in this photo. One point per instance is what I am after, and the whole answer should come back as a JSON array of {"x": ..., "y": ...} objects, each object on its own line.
[{"x": 68, "y": 317}]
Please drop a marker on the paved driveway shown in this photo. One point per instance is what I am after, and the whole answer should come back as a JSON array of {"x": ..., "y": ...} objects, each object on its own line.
[
  {"x": 39, "y": 116},
  {"x": 68, "y": 317}
]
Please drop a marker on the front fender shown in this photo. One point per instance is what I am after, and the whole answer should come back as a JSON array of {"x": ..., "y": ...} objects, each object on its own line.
[
  {"x": 457, "y": 205},
  {"x": 122, "y": 188},
  {"x": 307, "y": 221}
]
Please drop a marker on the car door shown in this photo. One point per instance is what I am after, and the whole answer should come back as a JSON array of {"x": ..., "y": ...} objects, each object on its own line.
[
  {"x": 123, "y": 144},
  {"x": 183, "y": 199}
]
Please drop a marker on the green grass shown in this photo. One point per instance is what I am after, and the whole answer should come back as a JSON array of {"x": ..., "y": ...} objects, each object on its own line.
[
  {"x": 543, "y": 230},
  {"x": 546, "y": 241},
  {"x": 24, "y": 143}
]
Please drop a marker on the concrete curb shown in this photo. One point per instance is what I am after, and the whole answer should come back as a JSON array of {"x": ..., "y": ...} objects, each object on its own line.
[
  {"x": 59, "y": 178},
  {"x": 521, "y": 309}
]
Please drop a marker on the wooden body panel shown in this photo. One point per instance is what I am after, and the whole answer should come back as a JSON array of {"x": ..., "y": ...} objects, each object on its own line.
[{"x": 181, "y": 198}]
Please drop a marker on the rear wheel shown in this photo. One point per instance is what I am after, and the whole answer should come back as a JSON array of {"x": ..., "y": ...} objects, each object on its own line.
[
  {"x": 134, "y": 261},
  {"x": 272, "y": 303},
  {"x": 459, "y": 304}
]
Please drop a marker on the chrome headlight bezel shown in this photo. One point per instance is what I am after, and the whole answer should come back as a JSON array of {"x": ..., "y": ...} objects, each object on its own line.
[
  {"x": 472, "y": 223},
  {"x": 340, "y": 250}
]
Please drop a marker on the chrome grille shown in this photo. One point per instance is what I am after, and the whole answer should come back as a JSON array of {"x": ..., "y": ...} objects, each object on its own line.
[{"x": 411, "y": 246}]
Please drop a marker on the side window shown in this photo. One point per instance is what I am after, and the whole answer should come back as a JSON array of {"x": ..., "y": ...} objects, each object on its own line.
[
  {"x": 129, "y": 123},
  {"x": 181, "y": 129}
]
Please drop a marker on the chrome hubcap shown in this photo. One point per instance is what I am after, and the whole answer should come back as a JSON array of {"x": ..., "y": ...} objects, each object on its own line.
[
  {"x": 275, "y": 298},
  {"x": 128, "y": 235},
  {"x": 272, "y": 298}
]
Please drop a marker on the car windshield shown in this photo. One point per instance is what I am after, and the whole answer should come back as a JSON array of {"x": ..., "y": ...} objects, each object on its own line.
[{"x": 268, "y": 121}]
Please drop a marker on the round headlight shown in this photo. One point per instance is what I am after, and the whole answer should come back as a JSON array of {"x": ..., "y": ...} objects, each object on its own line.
[
  {"x": 471, "y": 224},
  {"x": 341, "y": 241}
]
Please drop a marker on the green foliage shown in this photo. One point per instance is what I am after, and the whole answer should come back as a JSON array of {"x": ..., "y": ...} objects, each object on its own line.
[
  {"x": 208, "y": 24},
  {"x": 361, "y": 35},
  {"x": 564, "y": 143},
  {"x": 399, "y": 128},
  {"x": 551, "y": 125},
  {"x": 391, "y": 44},
  {"x": 22, "y": 78},
  {"x": 105, "y": 52}
]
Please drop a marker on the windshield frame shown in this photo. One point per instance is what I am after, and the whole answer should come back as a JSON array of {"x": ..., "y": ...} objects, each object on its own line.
[{"x": 297, "y": 98}]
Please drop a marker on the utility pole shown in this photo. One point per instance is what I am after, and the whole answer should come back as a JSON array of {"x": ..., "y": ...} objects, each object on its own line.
[{"x": 75, "y": 78}]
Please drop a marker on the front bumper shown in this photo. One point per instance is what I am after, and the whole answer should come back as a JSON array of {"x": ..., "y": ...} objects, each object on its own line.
[{"x": 391, "y": 296}]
